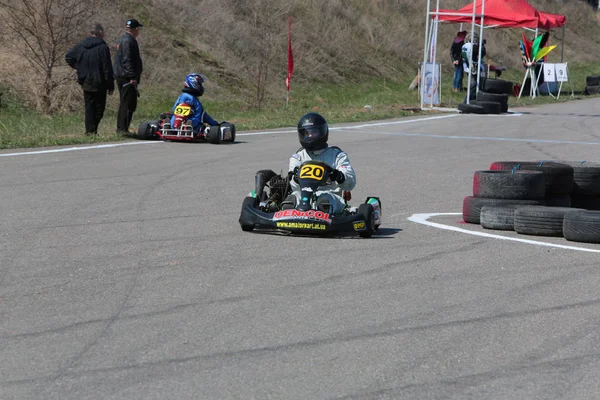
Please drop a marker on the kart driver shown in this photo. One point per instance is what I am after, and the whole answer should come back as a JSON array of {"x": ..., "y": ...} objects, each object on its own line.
[
  {"x": 191, "y": 91},
  {"x": 313, "y": 133}
]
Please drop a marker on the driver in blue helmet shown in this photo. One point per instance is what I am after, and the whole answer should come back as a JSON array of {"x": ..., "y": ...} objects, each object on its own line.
[
  {"x": 313, "y": 133},
  {"x": 191, "y": 91}
]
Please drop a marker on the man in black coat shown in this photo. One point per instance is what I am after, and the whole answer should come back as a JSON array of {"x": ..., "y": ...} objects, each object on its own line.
[
  {"x": 128, "y": 71},
  {"x": 91, "y": 59}
]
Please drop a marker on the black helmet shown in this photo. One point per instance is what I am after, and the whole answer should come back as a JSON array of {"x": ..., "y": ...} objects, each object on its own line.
[{"x": 313, "y": 131}]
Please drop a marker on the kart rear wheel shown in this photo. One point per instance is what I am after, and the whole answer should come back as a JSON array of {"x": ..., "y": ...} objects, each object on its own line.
[
  {"x": 366, "y": 211},
  {"x": 213, "y": 135},
  {"x": 145, "y": 131}
]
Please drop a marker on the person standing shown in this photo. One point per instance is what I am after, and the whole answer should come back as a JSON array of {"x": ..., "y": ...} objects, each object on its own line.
[
  {"x": 456, "y": 56},
  {"x": 128, "y": 71},
  {"x": 91, "y": 59}
]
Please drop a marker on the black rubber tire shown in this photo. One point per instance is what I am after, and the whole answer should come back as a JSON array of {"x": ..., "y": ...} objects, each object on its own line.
[
  {"x": 470, "y": 109},
  {"x": 585, "y": 201},
  {"x": 232, "y": 130},
  {"x": 260, "y": 180},
  {"x": 515, "y": 185},
  {"x": 592, "y": 89},
  {"x": 248, "y": 201},
  {"x": 497, "y": 86},
  {"x": 558, "y": 177},
  {"x": 145, "y": 131},
  {"x": 366, "y": 211},
  {"x": 213, "y": 135},
  {"x": 498, "y": 217},
  {"x": 494, "y": 97},
  {"x": 582, "y": 226},
  {"x": 592, "y": 80},
  {"x": 586, "y": 177},
  {"x": 541, "y": 220},
  {"x": 558, "y": 200},
  {"x": 490, "y": 107},
  {"x": 471, "y": 210}
]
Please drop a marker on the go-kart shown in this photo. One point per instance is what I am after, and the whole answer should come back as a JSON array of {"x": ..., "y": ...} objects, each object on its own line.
[
  {"x": 182, "y": 129},
  {"x": 264, "y": 209}
]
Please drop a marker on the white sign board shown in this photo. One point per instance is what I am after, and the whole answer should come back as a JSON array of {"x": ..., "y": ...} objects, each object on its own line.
[
  {"x": 430, "y": 83},
  {"x": 549, "y": 72},
  {"x": 561, "y": 72}
]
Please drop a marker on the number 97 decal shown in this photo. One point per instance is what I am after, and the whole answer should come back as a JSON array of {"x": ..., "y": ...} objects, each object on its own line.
[
  {"x": 312, "y": 172},
  {"x": 183, "y": 111}
]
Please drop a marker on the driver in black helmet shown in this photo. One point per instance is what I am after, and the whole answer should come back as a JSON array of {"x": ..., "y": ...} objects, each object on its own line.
[{"x": 313, "y": 133}]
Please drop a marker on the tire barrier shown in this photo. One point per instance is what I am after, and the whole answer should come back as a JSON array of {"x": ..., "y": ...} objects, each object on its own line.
[
  {"x": 582, "y": 226},
  {"x": 515, "y": 185},
  {"x": 498, "y": 86},
  {"x": 502, "y": 99},
  {"x": 541, "y": 220},
  {"x": 472, "y": 206},
  {"x": 558, "y": 177},
  {"x": 498, "y": 217}
]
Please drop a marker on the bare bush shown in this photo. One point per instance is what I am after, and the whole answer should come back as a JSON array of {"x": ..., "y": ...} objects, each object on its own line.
[{"x": 42, "y": 30}]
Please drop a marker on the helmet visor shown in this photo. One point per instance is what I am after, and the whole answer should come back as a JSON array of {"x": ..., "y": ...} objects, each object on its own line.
[{"x": 311, "y": 134}]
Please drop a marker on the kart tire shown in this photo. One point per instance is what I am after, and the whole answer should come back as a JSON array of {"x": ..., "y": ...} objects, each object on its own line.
[
  {"x": 366, "y": 211},
  {"x": 592, "y": 80},
  {"x": 585, "y": 201},
  {"x": 558, "y": 177},
  {"x": 145, "y": 131},
  {"x": 498, "y": 217},
  {"x": 498, "y": 98},
  {"x": 541, "y": 220},
  {"x": 471, "y": 210},
  {"x": 592, "y": 89},
  {"x": 261, "y": 178},
  {"x": 248, "y": 202},
  {"x": 515, "y": 185},
  {"x": 471, "y": 108},
  {"x": 490, "y": 107},
  {"x": 213, "y": 135},
  {"x": 497, "y": 86},
  {"x": 232, "y": 126},
  {"x": 582, "y": 226},
  {"x": 558, "y": 200}
]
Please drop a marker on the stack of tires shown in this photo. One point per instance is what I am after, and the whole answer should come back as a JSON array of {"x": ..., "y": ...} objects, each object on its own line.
[
  {"x": 538, "y": 198},
  {"x": 592, "y": 84},
  {"x": 491, "y": 99}
]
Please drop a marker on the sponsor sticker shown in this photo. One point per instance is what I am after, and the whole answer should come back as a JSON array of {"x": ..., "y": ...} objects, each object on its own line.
[
  {"x": 310, "y": 214},
  {"x": 301, "y": 225},
  {"x": 359, "y": 225}
]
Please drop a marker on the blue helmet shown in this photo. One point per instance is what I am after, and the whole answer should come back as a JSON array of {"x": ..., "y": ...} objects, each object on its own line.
[{"x": 194, "y": 81}]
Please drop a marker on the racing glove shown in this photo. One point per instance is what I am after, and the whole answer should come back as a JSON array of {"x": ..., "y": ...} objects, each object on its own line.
[
  {"x": 338, "y": 176},
  {"x": 293, "y": 174}
]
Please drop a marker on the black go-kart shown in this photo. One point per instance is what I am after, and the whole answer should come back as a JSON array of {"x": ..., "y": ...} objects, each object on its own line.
[
  {"x": 264, "y": 209},
  {"x": 182, "y": 131}
]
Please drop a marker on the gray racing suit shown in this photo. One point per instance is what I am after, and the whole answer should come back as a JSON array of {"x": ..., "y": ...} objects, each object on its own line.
[{"x": 336, "y": 158}]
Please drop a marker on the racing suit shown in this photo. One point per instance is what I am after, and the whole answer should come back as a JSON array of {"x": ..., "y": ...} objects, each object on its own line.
[
  {"x": 199, "y": 116},
  {"x": 334, "y": 157}
]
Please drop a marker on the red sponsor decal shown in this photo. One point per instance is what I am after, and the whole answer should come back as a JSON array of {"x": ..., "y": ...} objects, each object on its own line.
[{"x": 310, "y": 214}]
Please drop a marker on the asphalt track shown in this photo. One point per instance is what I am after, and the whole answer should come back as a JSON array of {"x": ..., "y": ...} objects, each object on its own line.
[{"x": 124, "y": 273}]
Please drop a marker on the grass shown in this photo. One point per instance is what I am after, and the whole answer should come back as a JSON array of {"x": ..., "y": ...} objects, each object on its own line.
[{"x": 369, "y": 100}]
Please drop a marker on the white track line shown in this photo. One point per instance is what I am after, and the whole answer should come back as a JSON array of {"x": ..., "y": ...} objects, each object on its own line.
[
  {"x": 63, "y": 150},
  {"x": 423, "y": 219},
  {"x": 406, "y": 121}
]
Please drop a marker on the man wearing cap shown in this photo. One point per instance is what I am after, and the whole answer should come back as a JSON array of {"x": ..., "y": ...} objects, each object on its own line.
[
  {"x": 128, "y": 70},
  {"x": 91, "y": 59}
]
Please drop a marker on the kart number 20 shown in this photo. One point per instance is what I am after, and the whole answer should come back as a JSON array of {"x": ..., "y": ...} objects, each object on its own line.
[{"x": 312, "y": 172}]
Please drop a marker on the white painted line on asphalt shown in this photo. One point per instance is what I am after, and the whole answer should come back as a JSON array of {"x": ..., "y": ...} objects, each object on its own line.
[
  {"x": 406, "y": 121},
  {"x": 424, "y": 220},
  {"x": 63, "y": 150},
  {"x": 502, "y": 139}
]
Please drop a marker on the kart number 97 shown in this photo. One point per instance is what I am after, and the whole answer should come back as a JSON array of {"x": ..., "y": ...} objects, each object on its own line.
[
  {"x": 183, "y": 111},
  {"x": 312, "y": 172}
]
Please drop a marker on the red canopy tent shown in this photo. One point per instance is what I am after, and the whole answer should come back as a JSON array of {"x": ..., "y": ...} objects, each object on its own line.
[
  {"x": 504, "y": 14},
  {"x": 489, "y": 14}
]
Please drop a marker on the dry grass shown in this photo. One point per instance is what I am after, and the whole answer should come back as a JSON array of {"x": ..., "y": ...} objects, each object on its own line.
[{"x": 242, "y": 45}]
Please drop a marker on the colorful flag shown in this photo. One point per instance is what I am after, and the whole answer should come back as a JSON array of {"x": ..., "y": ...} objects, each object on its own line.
[
  {"x": 544, "y": 52},
  {"x": 536, "y": 46},
  {"x": 290, "y": 56}
]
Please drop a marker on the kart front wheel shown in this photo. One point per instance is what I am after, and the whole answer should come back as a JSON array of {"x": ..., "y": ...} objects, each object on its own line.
[
  {"x": 247, "y": 226},
  {"x": 366, "y": 211}
]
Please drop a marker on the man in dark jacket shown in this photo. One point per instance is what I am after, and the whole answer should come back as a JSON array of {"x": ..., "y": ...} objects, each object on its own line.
[
  {"x": 91, "y": 59},
  {"x": 456, "y": 56},
  {"x": 128, "y": 71}
]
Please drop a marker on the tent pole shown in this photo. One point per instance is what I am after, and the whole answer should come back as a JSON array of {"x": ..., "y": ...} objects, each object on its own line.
[
  {"x": 562, "y": 43},
  {"x": 434, "y": 44},
  {"x": 479, "y": 60},
  {"x": 422, "y": 69},
  {"x": 471, "y": 55}
]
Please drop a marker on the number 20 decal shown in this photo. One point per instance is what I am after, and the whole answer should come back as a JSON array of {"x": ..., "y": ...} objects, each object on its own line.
[{"x": 312, "y": 172}]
